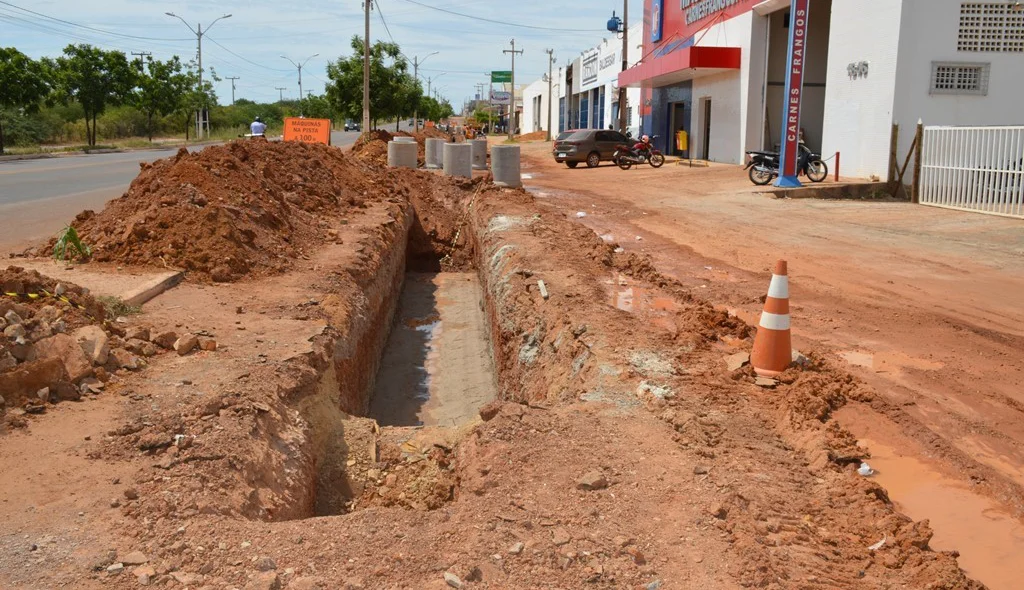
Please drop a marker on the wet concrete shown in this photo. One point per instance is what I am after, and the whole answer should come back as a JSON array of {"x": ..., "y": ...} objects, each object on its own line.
[{"x": 437, "y": 367}]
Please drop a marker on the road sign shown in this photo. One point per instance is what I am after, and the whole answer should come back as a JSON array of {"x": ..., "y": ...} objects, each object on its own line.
[
  {"x": 501, "y": 76},
  {"x": 307, "y": 130},
  {"x": 790, "y": 157}
]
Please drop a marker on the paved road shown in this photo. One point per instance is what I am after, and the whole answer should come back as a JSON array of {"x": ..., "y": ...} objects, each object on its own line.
[{"x": 38, "y": 196}]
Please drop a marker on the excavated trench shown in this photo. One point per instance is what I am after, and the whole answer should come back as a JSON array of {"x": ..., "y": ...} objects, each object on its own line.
[{"x": 416, "y": 354}]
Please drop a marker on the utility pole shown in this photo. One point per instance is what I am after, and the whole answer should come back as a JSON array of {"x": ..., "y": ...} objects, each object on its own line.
[
  {"x": 512, "y": 98},
  {"x": 299, "y": 65},
  {"x": 367, "y": 6},
  {"x": 551, "y": 63},
  {"x": 416, "y": 62},
  {"x": 198, "y": 32},
  {"x": 142, "y": 54},
  {"x": 280, "y": 92},
  {"x": 232, "y": 78},
  {"x": 625, "y": 65}
]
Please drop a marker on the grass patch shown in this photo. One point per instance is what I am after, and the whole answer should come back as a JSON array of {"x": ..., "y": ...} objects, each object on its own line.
[{"x": 116, "y": 307}]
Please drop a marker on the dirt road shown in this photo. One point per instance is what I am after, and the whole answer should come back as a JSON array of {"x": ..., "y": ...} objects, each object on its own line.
[{"x": 921, "y": 303}]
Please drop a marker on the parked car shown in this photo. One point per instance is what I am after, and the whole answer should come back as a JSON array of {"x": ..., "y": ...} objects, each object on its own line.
[
  {"x": 562, "y": 135},
  {"x": 351, "y": 126},
  {"x": 592, "y": 146}
]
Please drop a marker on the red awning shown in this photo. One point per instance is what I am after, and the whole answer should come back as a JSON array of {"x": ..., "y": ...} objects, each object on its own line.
[{"x": 683, "y": 64}]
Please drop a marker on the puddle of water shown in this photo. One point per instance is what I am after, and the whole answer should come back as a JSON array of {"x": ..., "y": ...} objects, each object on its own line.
[
  {"x": 888, "y": 361},
  {"x": 990, "y": 542},
  {"x": 436, "y": 368}
]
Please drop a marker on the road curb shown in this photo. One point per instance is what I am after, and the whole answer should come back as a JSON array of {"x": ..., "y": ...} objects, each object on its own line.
[{"x": 148, "y": 291}]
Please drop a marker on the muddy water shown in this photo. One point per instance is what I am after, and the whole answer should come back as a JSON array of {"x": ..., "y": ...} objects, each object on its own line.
[
  {"x": 990, "y": 542},
  {"x": 437, "y": 367}
]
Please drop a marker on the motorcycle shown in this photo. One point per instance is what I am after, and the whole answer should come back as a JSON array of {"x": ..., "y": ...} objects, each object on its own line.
[
  {"x": 625, "y": 157},
  {"x": 762, "y": 167}
]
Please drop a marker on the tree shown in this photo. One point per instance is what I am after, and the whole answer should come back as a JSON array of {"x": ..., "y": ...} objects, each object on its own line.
[
  {"x": 194, "y": 99},
  {"x": 390, "y": 86},
  {"x": 96, "y": 79},
  {"x": 24, "y": 82},
  {"x": 162, "y": 85}
]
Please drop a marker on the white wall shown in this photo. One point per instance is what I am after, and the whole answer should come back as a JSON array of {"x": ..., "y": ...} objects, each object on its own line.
[
  {"x": 537, "y": 88},
  {"x": 859, "y": 112},
  {"x": 929, "y": 30},
  {"x": 729, "y": 92}
]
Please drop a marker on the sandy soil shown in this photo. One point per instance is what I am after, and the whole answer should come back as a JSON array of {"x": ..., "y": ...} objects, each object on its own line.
[{"x": 921, "y": 303}]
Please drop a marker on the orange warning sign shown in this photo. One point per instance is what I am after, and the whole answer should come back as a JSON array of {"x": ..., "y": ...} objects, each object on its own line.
[{"x": 307, "y": 130}]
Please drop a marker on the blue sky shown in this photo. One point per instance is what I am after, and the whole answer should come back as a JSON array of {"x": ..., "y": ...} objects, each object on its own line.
[{"x": 250, "y": 43}]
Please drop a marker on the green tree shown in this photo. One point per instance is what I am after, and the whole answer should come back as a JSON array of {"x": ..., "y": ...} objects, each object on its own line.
[
  {"x": 95, "y": 79},
  {"x": 194, "y": 100},
  {"x": 390, "y": 89},
  {"x": 162, "y": 86},
  {"x": 24, "y": 82}
]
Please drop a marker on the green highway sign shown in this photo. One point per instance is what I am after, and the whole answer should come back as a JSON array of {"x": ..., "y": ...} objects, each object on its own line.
[{"x": 498, "y": 77}]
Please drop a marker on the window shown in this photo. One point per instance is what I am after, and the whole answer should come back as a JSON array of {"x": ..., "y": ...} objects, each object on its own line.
[
  {"x": 991, "y": 27},
  {"x": 959, "y": 78}
]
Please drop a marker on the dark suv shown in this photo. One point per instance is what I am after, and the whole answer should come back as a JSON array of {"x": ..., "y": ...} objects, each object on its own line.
[{"x": 592, "y": 146}]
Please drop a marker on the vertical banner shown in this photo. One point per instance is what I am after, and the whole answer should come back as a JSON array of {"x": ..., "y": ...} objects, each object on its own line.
[
  {"x": 797, "y": 65},
  {"x": 657, "y": 17}
]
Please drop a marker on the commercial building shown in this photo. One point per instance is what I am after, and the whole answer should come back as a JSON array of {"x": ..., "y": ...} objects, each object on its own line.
[
  {"x": 586, "y": 91},
  {"x": 716, "y": 69}
]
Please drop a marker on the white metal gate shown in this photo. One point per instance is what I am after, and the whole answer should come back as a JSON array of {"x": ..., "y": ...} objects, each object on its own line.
[{"x": 974, "y": 168}]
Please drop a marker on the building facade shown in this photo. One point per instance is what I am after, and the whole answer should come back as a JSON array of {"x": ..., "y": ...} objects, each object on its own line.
[{"x": 716, "y": 69}]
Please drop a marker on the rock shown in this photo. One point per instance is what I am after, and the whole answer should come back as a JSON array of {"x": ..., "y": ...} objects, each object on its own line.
[
  {"x": 700, "y": 470},
  {"x": 490, "y": 410},
  {"x": 799, "y": 359},
  {"x": 137, "y": 333},
  {"x": 719, "y": 511},
  {"x": 14, "y": 332},
  {"x": 59, "y": 327},
  {"x": 222, "y": 274},
  {"x": 186, "y": 344},
  {"x": 91, "y": 385},
  {"x": 208, "y": 344},
  {"x": 26, "y": 379},
  {"x": 12, "y": 317},
  {"x": 638, "y": 556},
  {"x": 115, "y": 568},
  {"x": 134, "y": 558},
  {"x": 453, "y": 580},
  {"x": 736, "y": 361},
  {"x": 765, "y": 382},
  {"x": 43, "y": 394},
  {"x": 516, "y": 549},
  {"x": 94, "y": 342},
  {"x": 187, "y": 579},
  {"x": 131, "y": 494},
  {"x": 7, "y": 361},
  {"x": 65, "y": 392},
  {"x": 265, "y": 581},
  {"x": 303, "y": 583},
  {"x": 266, "y": 564},
  {"x": 165, "y": 340},
  {"x": 144, "y": 574},
  {"x": 655, "y": 585},
  {"x": 560, "y": 536},
  {"x": 123, "y": 359},
  {"x": 63, "y": 347},
  {"x": 20, "y": 352},
  {"x": 592, "y": 480}
]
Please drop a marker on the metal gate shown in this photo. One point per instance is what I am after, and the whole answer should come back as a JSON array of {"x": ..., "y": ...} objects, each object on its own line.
[{"x": 974, "y": 168}]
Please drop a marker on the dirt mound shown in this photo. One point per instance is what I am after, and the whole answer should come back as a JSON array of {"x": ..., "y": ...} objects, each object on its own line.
[
  {"x": 248, "y": 208},
  {"x": 535, "y": 136}
]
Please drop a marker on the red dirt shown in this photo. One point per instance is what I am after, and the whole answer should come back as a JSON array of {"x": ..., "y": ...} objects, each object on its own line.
[{"x": 534, "y": 136}]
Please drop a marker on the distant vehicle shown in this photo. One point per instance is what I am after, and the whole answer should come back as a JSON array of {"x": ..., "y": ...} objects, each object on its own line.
[
  {"x": 351, "y": 126},
  {"x": 592, "y": 146}
]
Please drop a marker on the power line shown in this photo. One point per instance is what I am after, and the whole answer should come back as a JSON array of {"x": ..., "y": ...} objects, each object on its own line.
[
  {"x": 499, "y": 22},
  {"x": 380, "y": 13},
  {"x": 88, "y": 28},
  {"x": 261, "y": 66}
]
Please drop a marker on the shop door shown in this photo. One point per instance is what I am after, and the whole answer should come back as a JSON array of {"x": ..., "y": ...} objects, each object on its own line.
[{"x": 705, "y": 144}]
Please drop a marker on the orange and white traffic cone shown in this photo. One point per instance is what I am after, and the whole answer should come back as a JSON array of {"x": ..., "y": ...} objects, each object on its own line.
[{"x": 773, "y": 352}]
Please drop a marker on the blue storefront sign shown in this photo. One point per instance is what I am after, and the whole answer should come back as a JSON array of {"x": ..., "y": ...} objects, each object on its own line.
[{"x": 657, "y": 18}]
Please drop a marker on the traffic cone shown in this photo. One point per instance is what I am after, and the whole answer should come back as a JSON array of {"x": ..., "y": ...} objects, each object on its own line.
[{"x": 772, "y": 352}]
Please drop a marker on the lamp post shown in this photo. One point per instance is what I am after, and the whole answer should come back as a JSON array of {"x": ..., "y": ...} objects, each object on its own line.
[
  {"x": 430, "y": 80},
  {"x": 300, "y": 75},
  {"x": 416, "y": 62},
  {"x": 199, "y": 32},
  {"x": 621, "y": 25}
]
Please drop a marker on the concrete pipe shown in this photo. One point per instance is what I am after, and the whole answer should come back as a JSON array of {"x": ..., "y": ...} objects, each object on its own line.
[
  {"x": 479, "y": 154},
  {"x": 458, "y": 159},
  {"x": 434, "y": 152},
  {"x": 404, "y": 138},
  {"x": 402, "y": 154},
  {"x": 505, "y": 166}
]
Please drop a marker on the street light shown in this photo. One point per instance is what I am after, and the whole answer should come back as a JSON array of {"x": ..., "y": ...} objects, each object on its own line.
[
  {"x": 416, "y": 63},
  {"x": 430, "y": 80},
  {"x": 198, "y": 32},
  {"x": 300, "y": 75}
]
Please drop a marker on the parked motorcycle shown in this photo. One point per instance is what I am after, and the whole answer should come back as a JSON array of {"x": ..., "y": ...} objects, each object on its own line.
[
  {"x": 762, "y": 167},
  {"x": 640, "y": 153}
]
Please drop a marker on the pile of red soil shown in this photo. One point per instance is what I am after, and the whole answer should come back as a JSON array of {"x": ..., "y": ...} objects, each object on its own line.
[
  {"x": 372, "y": 147},
  {"x": 248, "y": 208},
  {"x": 534, "y": 136}
]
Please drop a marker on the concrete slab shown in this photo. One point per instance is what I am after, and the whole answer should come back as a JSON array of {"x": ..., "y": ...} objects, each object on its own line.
[{"x": 133, "y": 285}]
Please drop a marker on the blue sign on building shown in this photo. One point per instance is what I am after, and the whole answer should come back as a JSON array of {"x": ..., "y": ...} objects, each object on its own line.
[{"x": 657, "y": 18}]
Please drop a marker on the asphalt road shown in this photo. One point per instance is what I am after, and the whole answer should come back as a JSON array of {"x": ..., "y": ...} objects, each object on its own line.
[{"x": 37, "y": 197}]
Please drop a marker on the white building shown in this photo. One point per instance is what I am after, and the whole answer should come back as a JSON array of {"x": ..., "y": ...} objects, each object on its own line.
[
  {"x": 717, "y": 70},
  {"x": 586, "y": 91}
]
